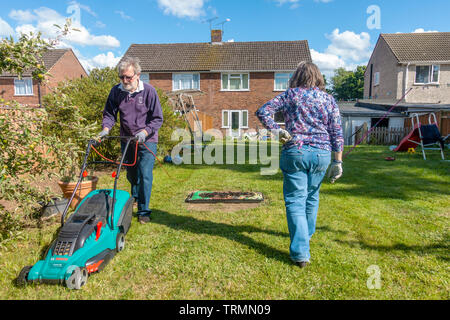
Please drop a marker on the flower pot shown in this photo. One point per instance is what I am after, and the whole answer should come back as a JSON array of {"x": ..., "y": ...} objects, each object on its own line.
[
  {"x": 54, "y": 207},
  {"x": 87, "y": 185}
]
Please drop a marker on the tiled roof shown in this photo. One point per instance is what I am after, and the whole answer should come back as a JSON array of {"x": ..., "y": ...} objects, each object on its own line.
[
  {"x": 237, "y": 56},
  {"x": 50, "y": 57},
  {"x": 429, "y": 46}
]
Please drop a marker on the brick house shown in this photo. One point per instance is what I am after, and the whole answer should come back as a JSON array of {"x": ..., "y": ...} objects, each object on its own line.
[
  {"x": 235, "y": 78},
  {"x": 402, "y": 61},
  {"x": 410, "y": 60},
  {"x": 62, "y": 64}
]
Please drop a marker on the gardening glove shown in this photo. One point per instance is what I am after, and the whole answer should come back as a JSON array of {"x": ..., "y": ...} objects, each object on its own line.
[
  {"x": 284, "y": 136},
  {"x": 103, "y": 133},
  {"x": 141, "y": 136},
  {"x": 335, "y": 171}
]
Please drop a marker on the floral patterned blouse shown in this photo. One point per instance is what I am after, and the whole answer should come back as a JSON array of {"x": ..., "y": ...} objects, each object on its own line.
[{"x": 311, "y": 117}]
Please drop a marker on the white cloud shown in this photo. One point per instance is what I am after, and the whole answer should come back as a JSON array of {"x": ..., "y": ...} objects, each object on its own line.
[
  {"x": 101, "y": 60},
  {"x": 5, "y": 28},
  {"x": 422, "y": 30},
  {"x": 182, "y": 8},
  {"x": 347, "y": 50},
  {"x": 123, "y": 15},
  {"x": 22, "y": 16},
  {"x": 349, "y": 45},
  {"x": 46, "y": 18}
]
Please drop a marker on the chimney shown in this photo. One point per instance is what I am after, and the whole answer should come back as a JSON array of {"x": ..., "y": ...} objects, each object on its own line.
[{"x": 216, "y": 36}]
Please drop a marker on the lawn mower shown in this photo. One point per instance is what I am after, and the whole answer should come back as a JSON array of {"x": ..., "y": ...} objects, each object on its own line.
[{"x": 91, "y": 236}]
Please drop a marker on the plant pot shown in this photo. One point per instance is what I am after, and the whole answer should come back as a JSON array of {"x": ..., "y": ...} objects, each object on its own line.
[
  {"x": 87, "y": 185},
  {"x": 54, "y": 207}
]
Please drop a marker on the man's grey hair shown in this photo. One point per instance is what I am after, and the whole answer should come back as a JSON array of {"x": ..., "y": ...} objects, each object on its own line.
[{"x": 127, "y": 62}]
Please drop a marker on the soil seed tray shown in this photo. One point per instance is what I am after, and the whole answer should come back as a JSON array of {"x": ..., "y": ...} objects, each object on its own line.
[{"x": 224, "y": 197}]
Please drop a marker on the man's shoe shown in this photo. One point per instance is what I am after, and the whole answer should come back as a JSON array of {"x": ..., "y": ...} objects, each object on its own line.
[
  {"x": 302, "y": 264},
  {"x": 144, "y": 219}
]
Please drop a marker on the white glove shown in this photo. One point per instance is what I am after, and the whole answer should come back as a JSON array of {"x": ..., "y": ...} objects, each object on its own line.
[
  {"x": 141, "y": 136},
  {"x": 284, "y": 136},
  {"x": 335, "y": 171},
  {"x": 103, "y": 133}
]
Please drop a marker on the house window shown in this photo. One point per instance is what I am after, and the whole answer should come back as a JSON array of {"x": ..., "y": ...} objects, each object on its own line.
[
  {"x": 23, "y": 87},
  {"x": 282, "y": 81},
  {"x": 235, "y": 82},
  {"x": 240, "y": 121},
  {"x": 225, "y": 122},
  {"x": 186, "y": 81},
  {"x": 376, "y": 80},
  {"x": 244, "y": 118},
  {"x": 145, "y": 77},
  {"x": 427, "y": 74}
]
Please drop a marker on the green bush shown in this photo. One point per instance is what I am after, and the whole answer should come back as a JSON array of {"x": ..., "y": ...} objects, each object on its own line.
[{"x": 89, "y": 95}]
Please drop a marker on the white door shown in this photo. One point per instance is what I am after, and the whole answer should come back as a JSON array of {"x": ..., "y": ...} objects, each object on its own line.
[{"x": 235, "y": 124}]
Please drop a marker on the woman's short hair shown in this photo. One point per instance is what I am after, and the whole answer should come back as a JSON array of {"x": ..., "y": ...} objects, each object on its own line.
[
  {"x": 127, "y": 62},
  {"x": 307, "y": 75}
]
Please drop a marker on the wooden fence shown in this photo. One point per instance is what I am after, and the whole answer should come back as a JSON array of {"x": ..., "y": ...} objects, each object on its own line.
[{"x": 381, "y": 135}]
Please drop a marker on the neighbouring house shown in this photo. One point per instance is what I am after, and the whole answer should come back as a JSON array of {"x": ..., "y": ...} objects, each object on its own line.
[
  {"x": 62, "y": 64},
  {"x": 416, "y": 61},
  {"x": 235, "y": 78}
]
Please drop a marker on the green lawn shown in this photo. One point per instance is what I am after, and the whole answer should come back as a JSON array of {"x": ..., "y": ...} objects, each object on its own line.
[{"x": 389, "y": 215}]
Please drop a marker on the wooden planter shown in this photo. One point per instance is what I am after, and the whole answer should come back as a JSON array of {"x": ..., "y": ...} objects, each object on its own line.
[{"x": 87, "y": 185}]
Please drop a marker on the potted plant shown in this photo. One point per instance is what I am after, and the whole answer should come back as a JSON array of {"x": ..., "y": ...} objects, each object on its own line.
[
  {"x": 72, "y": 131},
  {"x": 69, "y": 172}
]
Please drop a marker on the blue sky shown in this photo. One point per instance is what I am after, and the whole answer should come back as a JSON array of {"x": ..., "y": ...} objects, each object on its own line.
[{"x": 341, "y": 33}]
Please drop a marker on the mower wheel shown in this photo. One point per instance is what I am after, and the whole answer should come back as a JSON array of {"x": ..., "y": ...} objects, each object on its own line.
[
  {"x": 77, "y": 279},
  {"x": 120, "y": 241},
  {"x": 22, "y": 279}
]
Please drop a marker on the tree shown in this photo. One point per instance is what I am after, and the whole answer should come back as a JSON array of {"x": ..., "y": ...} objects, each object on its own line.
[
  {"x": 348, "y": 85},
  {"x": 25, "y": 54}
]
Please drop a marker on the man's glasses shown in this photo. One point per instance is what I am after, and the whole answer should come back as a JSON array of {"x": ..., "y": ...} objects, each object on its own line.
[{"x": 126, "y": 77}]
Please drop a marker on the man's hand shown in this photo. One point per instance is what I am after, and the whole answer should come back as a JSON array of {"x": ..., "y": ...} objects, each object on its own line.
[
  {"x": 284, "y": 136},
  {"x": 103, "y": 133},
  {"x": 141, "y": 136},
  {"x": 335, "y": 171}
]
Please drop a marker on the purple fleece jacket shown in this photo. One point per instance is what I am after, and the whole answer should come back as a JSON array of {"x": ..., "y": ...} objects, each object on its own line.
[{"x": 138, "y": 110}]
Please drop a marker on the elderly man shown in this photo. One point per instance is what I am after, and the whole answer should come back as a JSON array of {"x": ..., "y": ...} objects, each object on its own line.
[{"x": 140, "y": 116}]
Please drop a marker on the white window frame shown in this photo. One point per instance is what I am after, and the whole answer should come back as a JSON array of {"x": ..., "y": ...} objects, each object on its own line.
[
  {"x": 241, "y": 78},
  {"x": 228, "y": 117},
  {"x": 225, "y": 117},
  {"x": 430, "y": 74},
  {"x": 147, "y": 74},
  {"x": 21, "y": 80},
  {"x": 376, "y": 78},
  {"x": 192, "y": 80},
  {"x": 283, "y": 75}
]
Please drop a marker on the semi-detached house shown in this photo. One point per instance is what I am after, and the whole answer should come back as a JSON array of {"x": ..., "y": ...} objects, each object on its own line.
[
  {"x": 236, "y": 78},
  {"x": 62, "y": 64}
]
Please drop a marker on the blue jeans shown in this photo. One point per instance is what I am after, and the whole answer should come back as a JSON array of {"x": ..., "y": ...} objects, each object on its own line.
[
  {"x": 140, "y": 175},
  {"x": 303, "y": 172}
]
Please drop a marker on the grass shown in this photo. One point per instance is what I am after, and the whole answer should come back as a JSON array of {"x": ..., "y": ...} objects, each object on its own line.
[{"x": 393, "y": 215}]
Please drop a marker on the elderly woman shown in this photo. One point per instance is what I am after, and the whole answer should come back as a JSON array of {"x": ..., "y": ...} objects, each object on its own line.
[{"x": 313, "y": 131}]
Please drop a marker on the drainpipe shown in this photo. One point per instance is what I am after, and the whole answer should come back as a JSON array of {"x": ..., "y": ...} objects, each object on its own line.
[{"x": 406, "y": 78}]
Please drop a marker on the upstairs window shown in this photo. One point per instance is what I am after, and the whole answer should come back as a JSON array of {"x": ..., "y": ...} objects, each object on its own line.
[
  {"x": 145, "y": 77},
  {"x": 282, "y": 81},
  {"x": 427, "y": 74},
  {"x": 376, "y": 80},
  {"x": 23, "y": 87},
  {"x": 235, "y": 82},
  {"x": 186, "y": 81}
]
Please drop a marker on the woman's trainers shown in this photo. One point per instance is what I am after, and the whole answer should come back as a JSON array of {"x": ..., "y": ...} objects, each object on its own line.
[
  {"x": 144, "y": 219},
  {"x": 302, "y": 264}
]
